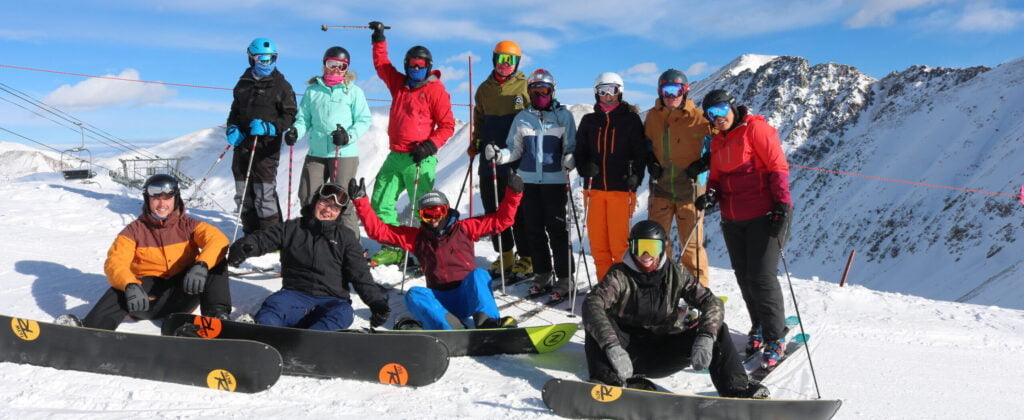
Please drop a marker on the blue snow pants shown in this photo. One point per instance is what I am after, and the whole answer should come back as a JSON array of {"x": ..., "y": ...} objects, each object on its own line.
[
  {"x": 473, "y": 295},
  {"x": 289, "y": 308}
]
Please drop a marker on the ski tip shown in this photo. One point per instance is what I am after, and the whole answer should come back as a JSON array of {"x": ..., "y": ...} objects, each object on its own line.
[
  {"x": 801, "y": 338},
  {"x": 792, "y": 320}
]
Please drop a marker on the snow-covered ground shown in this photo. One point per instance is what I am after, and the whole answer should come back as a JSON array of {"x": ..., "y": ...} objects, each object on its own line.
[{"x": 886, "y": 355}]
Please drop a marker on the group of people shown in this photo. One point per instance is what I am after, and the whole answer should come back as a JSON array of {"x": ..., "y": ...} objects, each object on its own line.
[{"x": 696, "y": 157}]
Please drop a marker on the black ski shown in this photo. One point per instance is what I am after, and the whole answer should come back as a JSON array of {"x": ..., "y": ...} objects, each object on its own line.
[
  {"x": 187, "y": 361},
  {"x": 575, "y": 399},
  {"x": 397, "y": 359},
  {"x": 791, "y": 347}
]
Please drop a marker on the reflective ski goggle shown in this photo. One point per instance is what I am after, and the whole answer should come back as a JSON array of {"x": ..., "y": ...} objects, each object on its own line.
[
  {"x": 652, "y": 247},
  {"x": 674, "y": 90},
  {"x": 162, "y": 190},
  {"x": 607, "y": 90},
  {"x": 264, "y": 59},
  {"x": 433, "y": 213},
  {"x": 507, "y": 59},
  {"x": 416, "y": 63},
  {"x": 335, "y": 64},
  {"x": 333, "y": 194},
  {"x": 720, "y": 110},
  {"x": 543, "y": 89}
]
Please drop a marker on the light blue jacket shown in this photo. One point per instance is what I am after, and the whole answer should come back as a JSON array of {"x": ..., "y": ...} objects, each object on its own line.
[
  {"x": 323, "y": 108},
  {"x": 540, "y": 139}
]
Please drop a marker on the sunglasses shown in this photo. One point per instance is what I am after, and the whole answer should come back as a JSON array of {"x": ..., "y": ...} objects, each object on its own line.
[
  {"x": 607, "y": 90},
  {"x": 433, "y": 213},
  {"x": 333, "y": 195},
  {"x": 543, "y": 89},
  {"x": 674, "y": 90},
  {"x": 652, "y": 247},
  {"x": 162, "y": 190},
  {"x": 265, "y": 59},
  {"x": 508, "y": 59},
  {"x": 719, "y": 110},
  {"x": 333, "y": 64},
  {"x": 416, "y": 63}
]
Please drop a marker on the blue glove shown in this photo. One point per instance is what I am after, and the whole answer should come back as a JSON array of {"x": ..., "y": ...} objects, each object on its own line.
[
  {"x": 259, "y": 127},
  {"x": 235, "y": 137}
]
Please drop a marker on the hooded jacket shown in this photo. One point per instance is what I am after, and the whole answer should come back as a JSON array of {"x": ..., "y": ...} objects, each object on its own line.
[
  {"x": 270, "y": 99},
  {"x": 496, "y": 106},
  {"x": 420, "y": 113},
  {"x": 615, "y": 142},
  {"x": 162, "y": 248},
  {"x": 677, "y": 140},
  {"x": 318, "y": 258},
  {"x": 539, "y": 139},
  {"x": 324, "y": 107},
  {"x": 748, "y": 169},
  {"x": 630, "y": 298}
]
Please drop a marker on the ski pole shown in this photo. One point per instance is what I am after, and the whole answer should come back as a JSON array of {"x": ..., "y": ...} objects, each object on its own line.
[
  {"x": 291, "y": 159},
  {"x": 412, "y": 213},
  {"x": 325, "y": 27},
  {"x": 579, "y": 233},
  {"x": 245, "y": 189},
  {"x": 469, "y": 171},
  {"x": 501, "y": 247},
  {"x": 778, "y": 240},
  {"x": 568, "y": 240},
  {"x": 698, "y": 217},
  {"x": 210, "y": 171},
  {"x": 334, "y": 176}
]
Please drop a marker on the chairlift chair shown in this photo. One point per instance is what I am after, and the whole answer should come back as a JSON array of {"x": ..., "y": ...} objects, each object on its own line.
[{"x": 81, "y": 170}]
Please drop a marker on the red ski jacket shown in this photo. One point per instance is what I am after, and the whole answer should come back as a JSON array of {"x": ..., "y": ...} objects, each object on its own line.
[
  {"x": 417, "y": 114},
  {"x": 448, "y": 259},
  {"x": 749, "y": 169}
]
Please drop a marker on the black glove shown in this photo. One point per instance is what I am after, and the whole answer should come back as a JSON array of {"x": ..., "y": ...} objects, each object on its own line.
[
  {"x": 587, "y": 169},
  {"x": 136, "y": 297},
  {"x": 707, "y": 200},
  {"x": 654, "y": 168},
  {"x": 379, "y": 310},
  {"x": 339, "y": 136},
  {"x": 777, "y": 218},
  {"x": 423, "y": 150},
  {"x": 700, "y": 355},
  {"x": 632, "y": 181},
  {"x": 515, "y": 183},
  {"x": 356, "y": 190},
  {"x": 290, "y": 136},
  {"x": 698, "y": 166},
  {"x": 195, "y": 279},
  {"x": 239, "y": 252},
  {"x": 378, "y": 32}
]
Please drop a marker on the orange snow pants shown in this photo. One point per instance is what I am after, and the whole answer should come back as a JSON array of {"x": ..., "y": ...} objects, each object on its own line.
[
  {"x": 608, "y": 217},
  {"x": 663, "y": 211}
]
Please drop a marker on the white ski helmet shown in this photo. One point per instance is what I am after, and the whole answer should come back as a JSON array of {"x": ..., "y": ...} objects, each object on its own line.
[{"x": 609, "y": 78}]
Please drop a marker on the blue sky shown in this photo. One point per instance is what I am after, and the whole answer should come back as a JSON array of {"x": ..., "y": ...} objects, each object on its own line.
[{"x": 202, "y": 42}]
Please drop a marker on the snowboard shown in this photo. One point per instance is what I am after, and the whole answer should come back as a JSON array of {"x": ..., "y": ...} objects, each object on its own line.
[
  {"x": 396, "y": 359},
  {"x": 187, "y": 361},
  {"x": 576, "y": 399},
  {"x": 487, "y": 342}
]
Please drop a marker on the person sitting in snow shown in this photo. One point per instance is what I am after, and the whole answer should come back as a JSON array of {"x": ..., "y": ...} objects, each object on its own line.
[
  {"x": 161, "y": 263},
  {"x": 320, "y": 257},
  {"x": 633, "y": 328},
  {"x": 456, "y": 290}
]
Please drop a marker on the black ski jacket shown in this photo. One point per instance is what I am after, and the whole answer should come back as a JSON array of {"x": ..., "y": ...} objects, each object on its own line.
[
  {"x": 317, "y": 258},
  {"x": 615, "y": 142},
  {"x": 270, "y": 99}
]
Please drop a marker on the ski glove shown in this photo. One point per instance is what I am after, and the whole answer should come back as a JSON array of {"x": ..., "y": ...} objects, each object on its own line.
[
  {"x": 473, "y": 148},
  {"x": 588, "y": 169},
  {"x": 698, "y": 166},
  {"x": 136, "y": 298},
  {"x": 515, "y": 183},
  {"x": 568, "y": 162},
  {"x": 654, "y": 168},
  {"x": 339, "y": 137},
  {"x": 378, "y": 32},
  {"x": 379, "y": 312},
  {"x": 423, "y": 150},
  {"x": 632, "y": 182},
  {"x": 700, "y": 356},
  {"x": 291, "y": 136},
  {"x": 239, "y": 252},
  {"x": 492, "y": 152},
  {"x": 356, "y": 190},
  {"x": 620, "y": 361},
  {"x": 777, "y": 218},
  {"x": 706, "y": 200},
  {"x": 234, "y": 136},
  {"x": 195, "y": 279},
  {"x": 259, "y": 127}
]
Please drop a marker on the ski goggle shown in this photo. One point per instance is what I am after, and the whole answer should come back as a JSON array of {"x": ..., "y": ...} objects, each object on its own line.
[
  {"x": 416, "y": 63},
  {"x": 334, "y": 64},
  {"x": 433, "y": 213},
  {"x": 652, "y": 247},
  {"x": 264, "y": 59},
  {"x": 162, "y": 190},
  {"x": 720, "y": 110},
  {"x": 543, "y": 89},
  {"x": 508, "y": 59},
  {"x": 674, "y": 90},
  {"x": 607, "y": 90},
  {"x": 333, "y": 194}
]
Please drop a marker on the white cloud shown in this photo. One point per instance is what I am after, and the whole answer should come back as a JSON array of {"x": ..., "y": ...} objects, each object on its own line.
[
  {"x": 96, "y": 93},
  {"x": 882, "y": 12},
  {"x": 697, "y": 69},
  {"x": 216, "y": 107},
  {"x": 450, "y": 74},
  {"x": 644, "y": 73},
  {"x": 461, "y": 58},
  {"x": 421, "y": 27},
  {"x": 982, "y": 18}
]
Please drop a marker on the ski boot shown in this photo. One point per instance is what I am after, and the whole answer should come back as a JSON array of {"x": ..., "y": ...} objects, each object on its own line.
[
  {"x": 755, "y": 341},
  {"x": 386, "y": 256},
  {"x": 640, "y": 382},
  {"x": 522, "y": 269},
  {"x": 503, "y": 263},
  {"x": 542, "y": 284},
  {"x": 754, "y": 390},
  {"x": 246, "y": 318},
  {"x": 560, "y": 291},
  {"x": 482, "y": 321},
  {"x": 773, "y": 353},
  {"x": 408, "y": 324},
  {"x": 68, "y": 320}
]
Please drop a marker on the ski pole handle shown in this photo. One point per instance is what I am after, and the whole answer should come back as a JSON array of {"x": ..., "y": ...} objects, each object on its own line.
[{"x": 325, "y": 27}]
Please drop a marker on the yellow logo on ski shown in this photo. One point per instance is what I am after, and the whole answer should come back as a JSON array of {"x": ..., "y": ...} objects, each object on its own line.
[
  {"x": 605, "y": 393},
  {"x": 221, "y": 380},
  {"x": 25, "y": 329}
]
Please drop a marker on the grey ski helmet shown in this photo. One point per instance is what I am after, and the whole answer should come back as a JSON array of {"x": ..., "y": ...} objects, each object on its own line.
[{"x": 432, "y": 198}]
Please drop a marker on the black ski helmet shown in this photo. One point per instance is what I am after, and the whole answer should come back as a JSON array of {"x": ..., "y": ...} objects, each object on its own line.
[
  {"x": 336, "y": 52},
  {"x": 672, "y": 76},
  {"x": 716, "y": 97},
  {"x": 419, "y": 51},
  {"x": 648, "y": 229},
  {"x": 164, "y": 183}
]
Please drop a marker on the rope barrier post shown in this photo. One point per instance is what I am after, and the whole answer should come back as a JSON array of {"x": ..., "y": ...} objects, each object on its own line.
[{"x": 849, "y": 263}]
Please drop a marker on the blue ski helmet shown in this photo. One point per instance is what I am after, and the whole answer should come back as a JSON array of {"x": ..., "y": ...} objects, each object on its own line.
[{"x": 262, "y": 46}]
